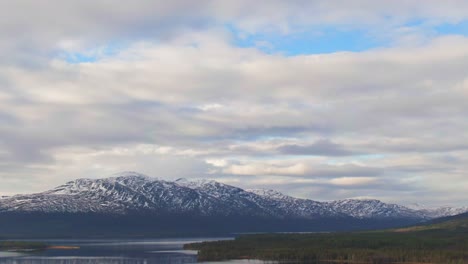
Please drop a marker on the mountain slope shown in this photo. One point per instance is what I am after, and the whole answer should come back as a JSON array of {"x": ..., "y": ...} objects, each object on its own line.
[
  {"x": 134, "y": 204},
  {"x": 369, "y": 208},
  {"x": 133, "y": 192},
  {"x": 122, "y": 194},
  {"x": 458, "y": 223}
]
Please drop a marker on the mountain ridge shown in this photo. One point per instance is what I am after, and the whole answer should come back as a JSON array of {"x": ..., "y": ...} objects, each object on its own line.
[
  {"x": 127, "y": 192},
  {"x": 133, "y": 205}
]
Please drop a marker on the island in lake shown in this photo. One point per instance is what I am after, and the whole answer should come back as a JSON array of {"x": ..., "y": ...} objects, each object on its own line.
[{"x": 22, "y": 246}]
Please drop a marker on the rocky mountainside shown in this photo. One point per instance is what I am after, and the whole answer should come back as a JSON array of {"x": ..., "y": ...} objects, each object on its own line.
[
  {"x": 438, "y": 212},
  {"x": 131, "y": 192}
]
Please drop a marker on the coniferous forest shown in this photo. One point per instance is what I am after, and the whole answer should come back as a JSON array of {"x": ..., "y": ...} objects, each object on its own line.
[{"x": 445, "y": 242}]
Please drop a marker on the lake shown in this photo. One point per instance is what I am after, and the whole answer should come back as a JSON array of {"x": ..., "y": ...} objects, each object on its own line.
[{"x": 164, "y": 251}]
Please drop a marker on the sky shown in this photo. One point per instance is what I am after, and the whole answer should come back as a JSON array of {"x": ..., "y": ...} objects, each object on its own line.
[{"x": 318, "y": 99}]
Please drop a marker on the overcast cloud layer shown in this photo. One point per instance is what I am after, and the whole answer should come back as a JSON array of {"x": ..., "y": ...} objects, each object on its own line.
[{"x": 241, "y": 92}]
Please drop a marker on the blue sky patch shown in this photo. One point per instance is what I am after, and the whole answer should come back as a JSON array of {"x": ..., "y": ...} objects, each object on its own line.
[
  {"x": 79, "y": 58},
  {"x": 316, "y": 41},
  {"x": 453, "y": 29},
  {"x": 93, "y": 55}
]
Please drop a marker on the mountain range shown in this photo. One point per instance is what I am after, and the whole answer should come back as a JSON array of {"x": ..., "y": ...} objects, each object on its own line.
[{"x": 132, "y": 203}]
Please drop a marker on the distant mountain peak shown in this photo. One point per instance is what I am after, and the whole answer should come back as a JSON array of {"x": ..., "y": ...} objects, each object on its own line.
[
  {"x": 364, "y": 200},
  {"x": 197, "y": 183},
  {"x": 268, "y": 193},
  {"x": 132, "y": 174}
]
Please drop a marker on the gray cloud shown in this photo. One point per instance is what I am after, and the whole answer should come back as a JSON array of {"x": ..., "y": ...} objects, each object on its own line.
[
  {"x": 166, "y": 91},
  {"x": 321, "y": 147},
  {"x": 32, "y": 31}
]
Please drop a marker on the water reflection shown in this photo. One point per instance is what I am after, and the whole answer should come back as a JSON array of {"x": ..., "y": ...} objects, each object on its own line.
[
  {"x": 9, "y": 254},
  {"x": 164, "y": 251}
]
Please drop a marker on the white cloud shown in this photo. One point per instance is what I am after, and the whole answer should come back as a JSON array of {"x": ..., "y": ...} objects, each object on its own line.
[
  {"x": 217, "y": 162},
  {"x": 176, "y": 97},
  {"x": 346, "y": 181},
  {"x": 266, "y": 169},
  {"x": 208, "y": 107}
]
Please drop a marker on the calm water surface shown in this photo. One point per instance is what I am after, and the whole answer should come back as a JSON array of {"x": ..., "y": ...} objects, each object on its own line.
[{"x": 164, "y": 251}]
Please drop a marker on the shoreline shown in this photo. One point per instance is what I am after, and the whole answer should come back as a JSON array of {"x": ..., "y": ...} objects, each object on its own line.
[{"x": 22, "y": 246}]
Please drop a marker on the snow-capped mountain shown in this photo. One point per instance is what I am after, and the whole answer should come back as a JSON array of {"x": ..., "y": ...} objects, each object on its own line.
[
  {"x": 445, "y": 211},
  {"x": 370, "y": 208},
  {"x": 437, "y": 212},
  {"x": 131, "y": 192}
]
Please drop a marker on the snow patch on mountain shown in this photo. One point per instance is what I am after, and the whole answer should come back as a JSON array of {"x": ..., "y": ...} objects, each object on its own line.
[
  {"x": 371, "y": 208},
  {"x": 270, "y": 194},
  {"x": 436, "y": 212},
  {"x": 131, "y": 192}
]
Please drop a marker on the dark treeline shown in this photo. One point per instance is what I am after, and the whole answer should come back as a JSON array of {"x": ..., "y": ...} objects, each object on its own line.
[
  {"x": 431, "y": 246},
  {"x": 137, "y": 225}
]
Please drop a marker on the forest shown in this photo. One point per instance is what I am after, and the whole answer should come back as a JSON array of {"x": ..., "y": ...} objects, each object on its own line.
[{"x": 445, "y": 242}]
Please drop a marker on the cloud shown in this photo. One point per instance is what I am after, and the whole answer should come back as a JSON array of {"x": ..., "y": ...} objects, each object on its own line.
[
  {"x": 347, "y": 181},
  {"x": 208, "y": 107},
  {"x": 143, "y": 96},
  {"x": 164, "y": 88},
  {"x": 320, "y": 147},
  {"x": 87, "y": 25},
  {"x": 264, "y": 169}
]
